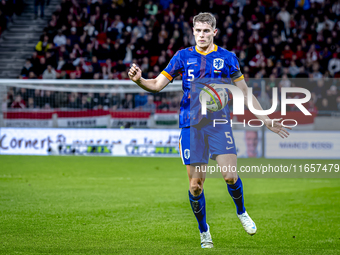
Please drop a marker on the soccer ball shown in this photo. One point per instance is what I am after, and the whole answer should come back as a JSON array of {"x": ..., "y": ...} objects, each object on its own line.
[{"x": 217, "y": 98}]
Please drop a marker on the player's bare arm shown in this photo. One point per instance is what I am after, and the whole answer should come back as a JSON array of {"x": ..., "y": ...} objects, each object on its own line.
[
  {"x": 150, "y": 85},
  {"x": 273, "y": 125}
]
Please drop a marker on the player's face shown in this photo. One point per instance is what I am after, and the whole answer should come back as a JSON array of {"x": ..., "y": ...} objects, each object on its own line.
[{"x": 204, "y": 34}]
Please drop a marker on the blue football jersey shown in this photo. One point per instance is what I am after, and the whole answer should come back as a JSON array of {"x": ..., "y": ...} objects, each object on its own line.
[{"x": 198, "y": 69}]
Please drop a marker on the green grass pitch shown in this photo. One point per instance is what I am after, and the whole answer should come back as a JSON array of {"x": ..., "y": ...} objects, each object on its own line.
[{"x": 111, "y": 205}]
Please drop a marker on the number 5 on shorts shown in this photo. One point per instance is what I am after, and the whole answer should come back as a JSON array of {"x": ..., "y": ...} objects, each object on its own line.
[{"x": 227, "y": 134}]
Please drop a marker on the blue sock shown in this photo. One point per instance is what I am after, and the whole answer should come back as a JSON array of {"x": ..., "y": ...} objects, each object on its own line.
[
  {"x": 198, "y": 207},
  {"x": 236, "y": 192}
]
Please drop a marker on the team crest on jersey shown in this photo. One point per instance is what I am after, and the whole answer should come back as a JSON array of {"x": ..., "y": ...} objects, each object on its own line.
[
  {"x": 218, "y": 63},
  {"x": 186, "y": 153}
]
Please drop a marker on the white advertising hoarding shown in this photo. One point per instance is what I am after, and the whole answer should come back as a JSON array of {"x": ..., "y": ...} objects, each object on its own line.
[
  {"x": 149, "y": 142},
  {"x": 115, "y": 142},
  {"x": 303, "y": 144},
  {"x": 34, "y": 141}
]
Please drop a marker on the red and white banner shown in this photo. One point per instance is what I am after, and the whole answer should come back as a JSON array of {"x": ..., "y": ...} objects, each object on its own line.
[
  {"x": 28, "y": 119},
  {"x": 77, "y": 119}
]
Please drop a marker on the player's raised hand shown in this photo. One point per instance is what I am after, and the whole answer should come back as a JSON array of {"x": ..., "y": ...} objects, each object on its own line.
[
  {"x": 135, "y": 73},
  {"x": 276, "y": 127}
]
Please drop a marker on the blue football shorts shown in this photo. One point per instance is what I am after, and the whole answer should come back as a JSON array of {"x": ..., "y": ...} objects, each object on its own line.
[{"x": 200, "y": 142}]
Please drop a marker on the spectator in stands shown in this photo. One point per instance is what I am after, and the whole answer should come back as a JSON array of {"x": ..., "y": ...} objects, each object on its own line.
[
  {"x": 104, "y": 23},
  {"x": 293, "y": 69},
  {"x": 42, "y": 6},
  {"x": 62, "y": 52},
  {"x": 95, "y": 65},
  {"x": 86, "y": 102},
  {"x": 302, "y": 73},
  {"x": 48, "y": 101},
  {"x": 115, "y": 101},
  {"x": 77, "y": 51},
  {"x": 27, "y": 68},
  {"x": 68, "y": 46},
  {"x": 31, "y": 104},
  {"x": 316, "y": 71},
  {"x": 324, "y": 105},
  {"x": 40, "y": 68},
  {"x": 72, "y": 75},
  {"x": 285, "y": 82},
  {"x": 141, "y": 99},
  {"x": 37, "y": 98},
  {"x": 138, "y": 31},
  {"x": 61, "y": 63},
  {"x": 87, "y": 70},
  {"x": 52, "y": 28},
  {"x": 59, "y": 39},
  {"x": 118, "y": 26},
  {"x": 32, "y": 75},
  {"x": 152, "y": 8},
  {"x": 49, "y": 73},
  {"x": 89, "y": 52},
  {"x": 43, "y": 46},
  {"x": 51, "y": 58},
  {"x": 334, "y": 64},
  {"x": 78, "y": 72},
  {"x": 84, "y": 39},
  {"x": 73, "y": 101},
  {"x": 18, "y": 102},
  {"x": 74, "y": 38},
  {"x": 174, "y": 103},
  {"x": 145, "y": 65},
  {"x": 104, "y": 50},
  {"x": 332, "y": 94},
  {"x": 164, "y": 106},
  {"x": 90, "y": 29},
  {"x": 24, "y": 94},
  {"x": 63, "y": 75},
  {"x": 117, "y": 52},
  {"x": 150, "y": 106},
  {"x": 319, "y": 92},
  {"x": 106, "y": 72},
  {"x": 128, "y": 102},
  {"x": 103, "y": 101}
]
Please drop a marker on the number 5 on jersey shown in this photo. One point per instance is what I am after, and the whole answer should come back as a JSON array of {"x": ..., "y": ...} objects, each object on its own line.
[{"x": 191, "y": 75}]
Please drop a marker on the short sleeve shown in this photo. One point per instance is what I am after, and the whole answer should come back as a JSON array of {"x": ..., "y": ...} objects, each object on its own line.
[
  {"x": 235, "y": 72},
  {"x": 174, "y": 68}
]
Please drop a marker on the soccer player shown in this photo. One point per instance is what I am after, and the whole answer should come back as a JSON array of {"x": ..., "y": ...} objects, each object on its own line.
[{"x": 199, "y": 138}]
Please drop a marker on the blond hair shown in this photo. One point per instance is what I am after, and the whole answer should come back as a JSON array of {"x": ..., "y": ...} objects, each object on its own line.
[{"x": 205, "y": 17}]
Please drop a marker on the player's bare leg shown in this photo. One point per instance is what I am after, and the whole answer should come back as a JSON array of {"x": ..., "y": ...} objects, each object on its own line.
[
  {"x": 196, "y": 178},
  {"x": 197, "y": 202},
  {"x": 235, "y": 188},
  {"x": 227, "y": 160}
]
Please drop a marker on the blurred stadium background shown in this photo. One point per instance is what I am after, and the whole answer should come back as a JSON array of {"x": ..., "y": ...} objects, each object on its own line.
[
  {"x": 86, "y": 47},
  {"x": 64, "y": 90}
]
